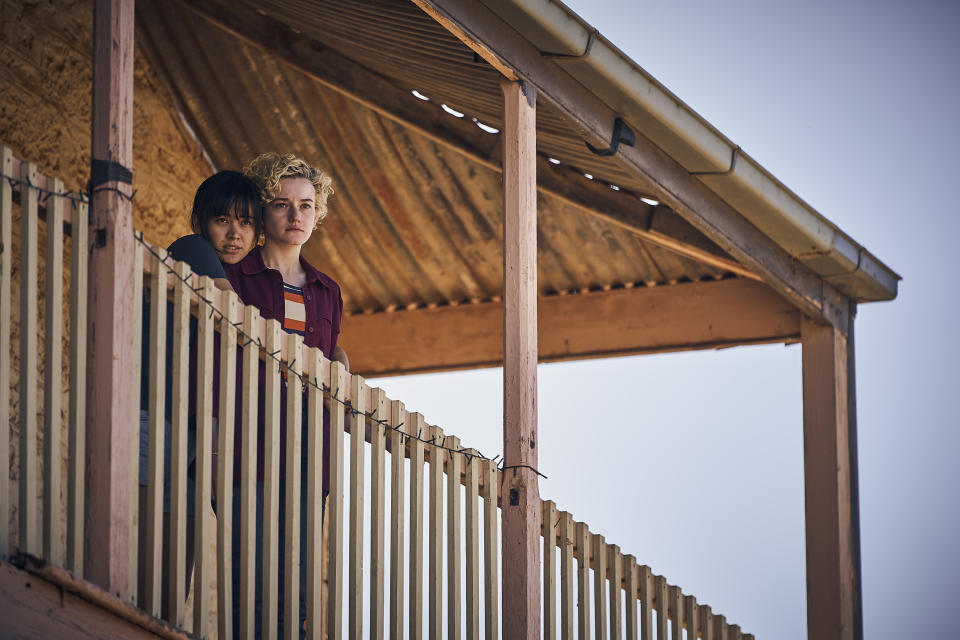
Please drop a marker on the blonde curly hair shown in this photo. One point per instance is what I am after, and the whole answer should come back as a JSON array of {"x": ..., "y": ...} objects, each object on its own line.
[{"x": 267, "y": 169}]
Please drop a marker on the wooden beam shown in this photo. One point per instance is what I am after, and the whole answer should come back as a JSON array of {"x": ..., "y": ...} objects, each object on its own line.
[
  {"x": 331, "y": 69},
  {"x": 831, "y": 515},
  {"x": 702, "y": 315},
  {"x": 503, "y": 47},
  {"x": 521, "y": 508},
  {"x": 112, "y": 390}
]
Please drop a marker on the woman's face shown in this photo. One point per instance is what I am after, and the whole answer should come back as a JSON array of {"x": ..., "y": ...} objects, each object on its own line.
[
  {"x": 232, "y": 237},
  {"x": 290, "y": 218}
]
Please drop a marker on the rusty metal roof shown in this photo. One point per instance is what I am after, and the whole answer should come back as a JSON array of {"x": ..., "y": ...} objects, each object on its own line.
[{"x": 416, "y": 217}]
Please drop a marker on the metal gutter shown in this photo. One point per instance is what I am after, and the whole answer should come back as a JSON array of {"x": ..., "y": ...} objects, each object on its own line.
[{"x": 653, "y": 111}]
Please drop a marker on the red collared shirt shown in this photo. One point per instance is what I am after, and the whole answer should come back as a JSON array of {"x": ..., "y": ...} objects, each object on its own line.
[
  {"x": 262, "y": 287},
  {"x": 257, "y": 284}
]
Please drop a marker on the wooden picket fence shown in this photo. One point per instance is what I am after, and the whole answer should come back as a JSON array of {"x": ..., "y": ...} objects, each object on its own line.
[{"x": 412, "y": 519}]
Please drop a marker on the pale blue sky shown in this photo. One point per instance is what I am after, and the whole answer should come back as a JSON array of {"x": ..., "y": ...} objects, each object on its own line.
[{"x": 694, "y": 461}]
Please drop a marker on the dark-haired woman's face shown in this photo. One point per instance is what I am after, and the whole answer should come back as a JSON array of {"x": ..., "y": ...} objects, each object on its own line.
[{"x": 232, "y": 237}]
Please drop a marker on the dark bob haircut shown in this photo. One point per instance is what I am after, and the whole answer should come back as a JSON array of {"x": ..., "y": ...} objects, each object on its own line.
[{"x": 226, "y": 193}]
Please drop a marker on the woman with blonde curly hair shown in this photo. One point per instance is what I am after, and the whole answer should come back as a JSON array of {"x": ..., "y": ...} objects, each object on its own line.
[{"x": 277, "y": 279}]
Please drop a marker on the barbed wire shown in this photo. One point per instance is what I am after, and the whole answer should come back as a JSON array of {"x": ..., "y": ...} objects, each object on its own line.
[
  {"x": 80, "y": 197},
  {"x": 327, "y": 392}
]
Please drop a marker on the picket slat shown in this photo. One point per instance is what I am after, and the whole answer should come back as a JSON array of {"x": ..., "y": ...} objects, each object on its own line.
[
  {"x": 583, "y": 580},
  {"x": 690, "y": 617},
  {"x": 204, "y": 455},
  {"x": 735, "y": 633},
  {"x": 291, "y": 542},
  {"x": 52, "y": 385},
  {"x": 454, "y": 573},
  {"x": 705, "y": 618},
  {"x": 663, "y": 615},
  {"x": 720, "y": 630},
  {"x": 156, "y": 407},
  {"x": 645, "y": 579},
  {"x": 338, "y": 389},
  {"x": 134, "y": 421},
  {"x": 599, "y": 586},
  {"x": 6, "y": 266},
  {"x": 616, "y": 587},
  {"x": 567, "y": 542},
  {"x": 491, "y": 557},
  {"x": 397, "y": 511},
  {"x": 176, "y": 568},
  {"x": 315, "y": 369},
  {"x": 248, "y": 474},
  {"x": 378, "y": 522},
  {"x": 549, "y": 520},
  {"x": 416, "y": 526},
  {"x": 675, "y": 608},
  {"x": 632, "y": 573},
  {"x": 224, "y": 462},
  {"x": 358, "y": 429},
  {"x": 435, "y": 537},
  {"x": 472, "y": 519},
  {"x": 76, "y": 474},
  {"x": 271, "y": 483},
  {"x": 29, "y": 538}
]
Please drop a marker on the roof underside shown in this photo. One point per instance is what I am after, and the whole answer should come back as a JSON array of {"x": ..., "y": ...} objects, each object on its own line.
[{"x": 417, "y": 216}]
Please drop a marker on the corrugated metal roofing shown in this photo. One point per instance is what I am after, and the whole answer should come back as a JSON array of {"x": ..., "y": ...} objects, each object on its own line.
[{"x": 413, "y": 222}]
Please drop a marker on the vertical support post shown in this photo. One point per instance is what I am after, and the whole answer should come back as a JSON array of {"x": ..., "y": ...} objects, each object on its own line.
[
  {"x": 112, "y": 388},
  {"x": 521, "y": 504},
  {"x": 831, "y": 514}
]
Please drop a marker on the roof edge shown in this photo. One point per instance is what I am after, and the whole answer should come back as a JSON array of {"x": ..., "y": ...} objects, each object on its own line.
[{"x": 700, "y": 148}]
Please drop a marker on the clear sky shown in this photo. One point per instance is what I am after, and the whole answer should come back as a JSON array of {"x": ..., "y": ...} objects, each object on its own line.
[{"x": 694, "y": 462}]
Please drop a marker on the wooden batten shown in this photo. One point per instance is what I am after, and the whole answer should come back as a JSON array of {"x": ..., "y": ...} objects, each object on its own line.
[
  {"x": 225, "y": 448},
  {"x": 378, "y": 522},
  {"x": 700, "y": 315},
  {"x": 112, "y": 389},
  {"x": 357, "y": 446},
  {"x": 29, "y": 541},
  {"x": 248, "y": 476},
  {"x": 6, "y": 267},
  {"x": 204, "y": 457},
  {"x": 830, "y": 510},
  {"x": 339, "y": 385},
  {"x": 416, "y": 526},
  {"x": 53, "y": 329},
  {"x": 472, "y": 523},
  {"x": 314, "y": 489},
  {"x": 177, "y": 530},
  {"x": 454, "y": 530},
  {"x": 397, "y": 511}
]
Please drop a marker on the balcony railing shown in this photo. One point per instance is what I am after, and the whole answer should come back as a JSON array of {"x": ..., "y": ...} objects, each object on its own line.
[{"x": 410, "y": 540}]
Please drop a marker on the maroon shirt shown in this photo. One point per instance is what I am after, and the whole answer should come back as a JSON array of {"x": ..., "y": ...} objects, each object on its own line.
[{"x": 262, "y": 287}]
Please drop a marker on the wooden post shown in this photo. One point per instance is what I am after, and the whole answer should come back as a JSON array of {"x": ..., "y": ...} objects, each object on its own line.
[
  {"x": 113, "y": 391},
  {"x": 521, "y": 504},
  {"x": 831, "y": 520}
]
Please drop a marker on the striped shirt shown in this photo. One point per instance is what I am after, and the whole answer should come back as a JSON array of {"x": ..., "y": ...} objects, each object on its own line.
[{"x": 294, "y": 312}]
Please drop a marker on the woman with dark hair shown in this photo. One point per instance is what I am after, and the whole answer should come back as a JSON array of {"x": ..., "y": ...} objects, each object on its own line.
[{"x": 226, "y": 220}]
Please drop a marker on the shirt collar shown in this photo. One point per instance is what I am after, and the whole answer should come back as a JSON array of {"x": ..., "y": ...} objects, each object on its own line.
[{"x": 253, "y": 264}]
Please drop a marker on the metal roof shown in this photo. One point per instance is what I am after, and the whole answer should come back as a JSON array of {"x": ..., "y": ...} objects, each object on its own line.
[{"x": 416, "y": 217}]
